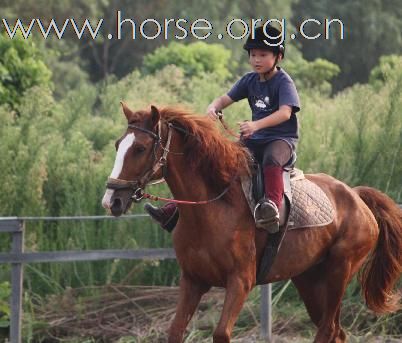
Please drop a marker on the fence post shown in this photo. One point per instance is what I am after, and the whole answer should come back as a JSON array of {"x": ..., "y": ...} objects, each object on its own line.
[
  {"x": 266, "y": 312},
  {"x": 17, "y": 247}
]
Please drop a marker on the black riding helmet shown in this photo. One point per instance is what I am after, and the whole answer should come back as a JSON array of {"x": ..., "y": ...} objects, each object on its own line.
[{"x": 275, "y": 45}]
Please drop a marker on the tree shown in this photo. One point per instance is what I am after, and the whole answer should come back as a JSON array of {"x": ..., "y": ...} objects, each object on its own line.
[
  {"x": 390, "y": 67},
  {"x": 21, "y": 68},
  {"x": 372, "y": 28}
]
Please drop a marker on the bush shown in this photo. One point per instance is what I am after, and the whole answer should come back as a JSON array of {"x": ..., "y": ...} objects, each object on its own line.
[
  {"x": 195, "y": 59},
  {"x": 315, "y": 75}
]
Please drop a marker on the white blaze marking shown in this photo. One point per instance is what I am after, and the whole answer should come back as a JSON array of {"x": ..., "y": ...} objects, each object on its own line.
[{"x": 124, "y": 145}]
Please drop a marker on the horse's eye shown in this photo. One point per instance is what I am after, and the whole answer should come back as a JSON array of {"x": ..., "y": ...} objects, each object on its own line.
[{"x": 139, "y": 149}]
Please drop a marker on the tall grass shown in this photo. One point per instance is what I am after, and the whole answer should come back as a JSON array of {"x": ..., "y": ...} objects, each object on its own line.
[{"x": 56, "y": 157}]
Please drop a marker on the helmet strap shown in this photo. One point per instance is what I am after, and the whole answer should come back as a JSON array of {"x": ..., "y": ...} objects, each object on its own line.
[{"x": 273, "y": 67}]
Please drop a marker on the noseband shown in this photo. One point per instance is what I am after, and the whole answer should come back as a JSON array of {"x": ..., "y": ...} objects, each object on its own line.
[{"x": 137, "y": 186}]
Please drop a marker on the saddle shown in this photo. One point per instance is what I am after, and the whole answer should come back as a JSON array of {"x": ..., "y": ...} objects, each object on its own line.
[{"x": 304, "y": 205}]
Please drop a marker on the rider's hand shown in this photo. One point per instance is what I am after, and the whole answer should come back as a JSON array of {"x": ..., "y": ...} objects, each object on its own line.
[
  {"x": 212, "y": 112},
  {"x": 247, "y": 128}
]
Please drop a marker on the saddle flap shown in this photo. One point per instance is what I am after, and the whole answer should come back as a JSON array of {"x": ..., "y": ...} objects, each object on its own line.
[{"x": 309, "y": 205}]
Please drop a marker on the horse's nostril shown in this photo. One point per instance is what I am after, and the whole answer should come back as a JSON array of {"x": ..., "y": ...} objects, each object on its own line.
[
  {"x": 117, "y": 204},
  {"x": 117, "y": 207}
]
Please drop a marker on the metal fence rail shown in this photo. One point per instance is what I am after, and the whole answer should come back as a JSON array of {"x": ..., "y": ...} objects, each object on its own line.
[{"x": 17, "y": 257}]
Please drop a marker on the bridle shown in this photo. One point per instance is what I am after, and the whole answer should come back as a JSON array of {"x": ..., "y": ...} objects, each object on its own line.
[{"x": 138, "y": 186}]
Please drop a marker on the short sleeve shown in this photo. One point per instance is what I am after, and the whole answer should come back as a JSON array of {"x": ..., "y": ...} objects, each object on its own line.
[
  {"x": 239, "y": 90},
  {"x": 288, "y": 95}
]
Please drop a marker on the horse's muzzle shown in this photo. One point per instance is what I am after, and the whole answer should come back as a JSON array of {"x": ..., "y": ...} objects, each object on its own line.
[{"x": 117, "y": 208}]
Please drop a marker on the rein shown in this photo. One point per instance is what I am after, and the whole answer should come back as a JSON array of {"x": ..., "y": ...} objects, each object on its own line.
[
  {"x": 137, "y": 186},
  {"x": 185, "y": 202},
  {"x": 226, "y": 127}
]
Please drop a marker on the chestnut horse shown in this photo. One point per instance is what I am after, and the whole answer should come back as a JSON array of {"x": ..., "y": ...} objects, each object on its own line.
[{"x": 217, "y": 243}]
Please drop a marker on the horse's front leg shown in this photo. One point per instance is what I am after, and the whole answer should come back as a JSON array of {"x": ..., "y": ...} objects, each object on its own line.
[
  {"x": 189, "y": 297},
  {"x": 237, "y": 290}
]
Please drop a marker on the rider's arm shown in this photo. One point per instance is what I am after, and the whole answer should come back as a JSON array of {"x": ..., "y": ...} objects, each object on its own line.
[
  {"x": 247, "y": 128},
  {"x": 282, "y": 114},
  {"x": 218, "y": 104}
]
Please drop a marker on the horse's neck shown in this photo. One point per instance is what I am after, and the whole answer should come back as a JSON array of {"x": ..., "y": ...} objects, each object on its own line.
[{"x": 186, "y": 184}]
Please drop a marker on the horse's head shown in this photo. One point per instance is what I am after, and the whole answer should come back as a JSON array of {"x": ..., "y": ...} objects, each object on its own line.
[{"x": 138, "y": 160}]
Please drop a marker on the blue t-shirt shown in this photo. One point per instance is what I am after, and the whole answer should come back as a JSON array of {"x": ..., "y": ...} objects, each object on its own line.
[{"x": 264, "y": 98}]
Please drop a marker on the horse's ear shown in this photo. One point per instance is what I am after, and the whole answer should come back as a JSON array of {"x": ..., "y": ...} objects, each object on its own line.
[
  {"x": 127, "y": 112},
  {"x": 155, "y": 115}
]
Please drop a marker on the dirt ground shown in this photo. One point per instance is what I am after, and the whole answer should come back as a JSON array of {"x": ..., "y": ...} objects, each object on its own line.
[{"x": 139, "y": 314}]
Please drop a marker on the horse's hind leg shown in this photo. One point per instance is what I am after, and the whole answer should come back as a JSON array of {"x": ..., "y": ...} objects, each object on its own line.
[
  {"x": 322, "y": 288},
  {"x": 189, "y": 297},
  {"x": 340, "y": 336},
  {"x": 309, "y": 286}
]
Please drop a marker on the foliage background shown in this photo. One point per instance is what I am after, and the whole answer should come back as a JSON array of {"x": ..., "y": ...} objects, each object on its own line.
[{"x": 60, "y": 116}]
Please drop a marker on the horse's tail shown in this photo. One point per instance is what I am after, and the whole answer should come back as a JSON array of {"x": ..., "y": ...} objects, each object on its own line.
[{"x": 383, "y": 268}]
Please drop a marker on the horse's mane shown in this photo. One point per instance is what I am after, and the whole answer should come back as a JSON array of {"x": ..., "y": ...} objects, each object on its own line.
[{"x": 207, "y": 150}]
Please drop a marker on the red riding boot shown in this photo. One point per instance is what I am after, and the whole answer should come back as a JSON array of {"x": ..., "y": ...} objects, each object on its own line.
[{"x": 266, "y": 213}]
